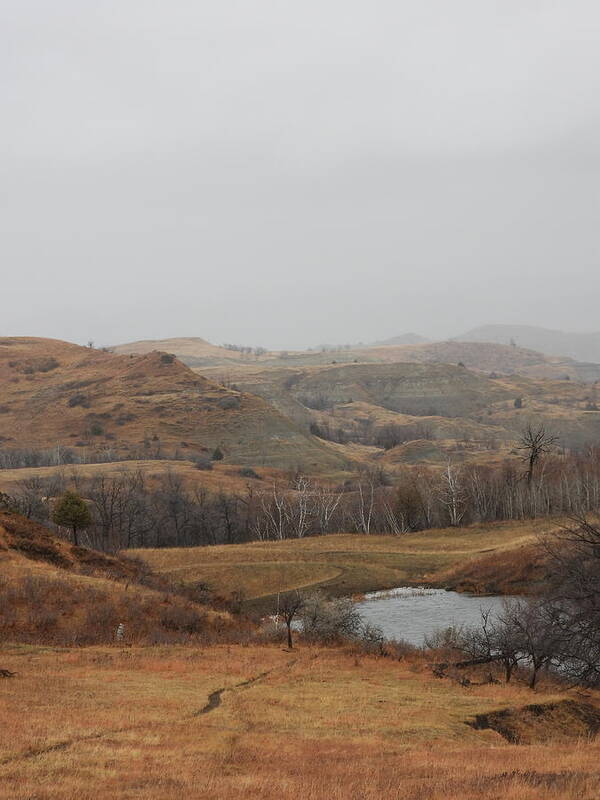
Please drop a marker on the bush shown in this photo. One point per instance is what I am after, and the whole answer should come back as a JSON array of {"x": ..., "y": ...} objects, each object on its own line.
[
  {"x": 167, "y": 358},
  {"x": 330, "y": 620},
  {"x": 79, "y": 400},
  {"x": 248, "y": 472},
  {"x": 228, "y": 403},
  {"x": 203, "y": 462},
  {"x": 217, "y": 454},
  {"x": 181, "y": 618}
]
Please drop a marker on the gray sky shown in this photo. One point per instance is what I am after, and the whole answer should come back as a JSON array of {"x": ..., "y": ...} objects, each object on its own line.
[{"x": 283, "y": 173}]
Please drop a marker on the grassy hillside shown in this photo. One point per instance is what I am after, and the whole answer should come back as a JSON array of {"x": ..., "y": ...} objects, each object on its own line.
[
  {"x": 54, "y": 393},
  {"x": 52, "y": 591},
  {"x": 465, "y": 415},
  {"x": 343, "y": 564},
  {"x": 321, "y": 724},
  {"x": 222, "y": 477}
]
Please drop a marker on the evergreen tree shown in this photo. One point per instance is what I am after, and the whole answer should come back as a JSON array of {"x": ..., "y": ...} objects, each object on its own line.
[{"x": 72, "y": 512}]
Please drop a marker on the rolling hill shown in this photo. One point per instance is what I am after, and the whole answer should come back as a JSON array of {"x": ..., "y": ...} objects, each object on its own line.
[
  {"x": 449, "y": 411},
  {"x": 404, "y": 338},
  {"x": 580, "y": 346},
  {"x": 192, "y": 350},
  {"x": 483, "y": 356},
  {"x": 55, "y": 393}
]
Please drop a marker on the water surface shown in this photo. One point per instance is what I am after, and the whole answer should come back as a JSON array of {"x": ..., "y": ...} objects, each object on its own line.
[{"x": 411, "y": 614}]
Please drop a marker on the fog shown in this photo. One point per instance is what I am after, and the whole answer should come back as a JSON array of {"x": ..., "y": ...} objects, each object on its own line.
[{"x": 285, "y": 174}]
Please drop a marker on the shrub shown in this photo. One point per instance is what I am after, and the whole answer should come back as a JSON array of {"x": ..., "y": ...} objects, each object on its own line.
[
  {"x": 79, "y": 400},
  {"x": 182, "y": 618},
  {"x": 167, "y": 358},
  {"x": 330, "y": 620},
  {"x": 203, "y": 462},
  {"x": 217, "y": 454},
  {"x": 248, "y": 472},
  {"x": 228, "y": 403}
]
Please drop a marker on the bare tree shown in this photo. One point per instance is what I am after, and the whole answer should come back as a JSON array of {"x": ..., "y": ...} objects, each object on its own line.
[
  {"x": 325, "y": 503},
  {"x": 289, "y": 605},
  {"x": 491, "y": 641},
  {"x": 532, "y": 626},
  {"x": 453, "y": 495},
  {"x": 534, "y": 442}
]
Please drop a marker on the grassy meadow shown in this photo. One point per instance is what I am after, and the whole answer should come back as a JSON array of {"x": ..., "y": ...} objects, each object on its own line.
[
  {"x": 342, "y": 564},
  {"x": 116, "y": 722}
]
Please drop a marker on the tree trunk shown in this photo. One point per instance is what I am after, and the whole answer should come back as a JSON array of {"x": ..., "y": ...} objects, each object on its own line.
[
  {"x": 75, "y": 538},
  {"x": 289, "y": 635}
]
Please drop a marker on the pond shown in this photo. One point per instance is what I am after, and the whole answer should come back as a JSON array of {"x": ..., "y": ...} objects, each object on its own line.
[{"x": 411, "y": 614}]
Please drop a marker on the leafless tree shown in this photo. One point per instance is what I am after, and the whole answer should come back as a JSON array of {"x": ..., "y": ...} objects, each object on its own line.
[
  {"x": 491, "y": 641},
  {"x": 325, "y": 503},
  {"x": 532, "y": 625},
  {"x": 453, "y": 495},
  {"x": 534, "y": 442},
  {"x": 365, "y": 505},
  {"x": 289, "y": 605}
]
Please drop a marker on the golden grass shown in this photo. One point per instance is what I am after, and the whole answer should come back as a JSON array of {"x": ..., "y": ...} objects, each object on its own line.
[
  {"x": 122, "y": 723},
  {"x": 222, "y": 477},
  {"x": 343, "y": 563}
]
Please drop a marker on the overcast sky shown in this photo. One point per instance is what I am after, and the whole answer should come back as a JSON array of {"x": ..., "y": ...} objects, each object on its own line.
[{"x": 286, "y": 173}]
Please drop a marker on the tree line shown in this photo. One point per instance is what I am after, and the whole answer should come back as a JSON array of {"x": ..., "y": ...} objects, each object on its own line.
[{"x": 128, "y": 509}]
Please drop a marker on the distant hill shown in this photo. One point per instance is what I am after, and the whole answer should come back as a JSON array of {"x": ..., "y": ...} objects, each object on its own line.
[
  {"x": 581, "y": 346},
  {"x": 464, "y": 413},
  {"x": 405, "y": 338},
  {"x": 486, "y": 357},
  {"x": 54, "y": 392},
  {"x": 192, "y": 350}
]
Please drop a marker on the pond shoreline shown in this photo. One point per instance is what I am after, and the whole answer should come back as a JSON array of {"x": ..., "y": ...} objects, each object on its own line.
[{"x": 415, "y": 613}]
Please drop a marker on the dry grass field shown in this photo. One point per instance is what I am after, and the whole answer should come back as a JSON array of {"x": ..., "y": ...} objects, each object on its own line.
[
  {"x": 341, "y": 563},
  {"x": 127, "y": 723},
  {"x": 221, "y": 478}
]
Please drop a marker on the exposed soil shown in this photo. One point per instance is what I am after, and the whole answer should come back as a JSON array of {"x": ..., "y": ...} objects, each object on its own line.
[{"x": 564, "y": 720}]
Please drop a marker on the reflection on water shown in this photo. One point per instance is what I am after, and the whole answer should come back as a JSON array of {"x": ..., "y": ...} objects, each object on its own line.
[{"x": 411, "y": 614}]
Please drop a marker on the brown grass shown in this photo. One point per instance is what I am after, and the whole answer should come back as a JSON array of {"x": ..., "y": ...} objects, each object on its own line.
[
  {"x": 134, "y": 404},
  {"x": 222, "y": 477},
  {"x": 318, "y": 724},
  {"x": 341, "y": 563},
  {"x": 54, "y": 592}
]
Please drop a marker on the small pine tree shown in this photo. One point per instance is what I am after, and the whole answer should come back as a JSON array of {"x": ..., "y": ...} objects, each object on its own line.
[
  {"x": 72, "y": 512},
  {"x": 217, "y": 454}
]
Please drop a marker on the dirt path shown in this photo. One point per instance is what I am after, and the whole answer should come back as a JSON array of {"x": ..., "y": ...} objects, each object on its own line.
[{"x": 214, "y": 701}]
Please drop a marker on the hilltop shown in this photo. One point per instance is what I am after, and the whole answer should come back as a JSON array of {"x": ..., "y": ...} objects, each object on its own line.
[
  {"x": 192, "y": 350},
  {"x": 483, "y": 356},
  {"x": 57, "y": 393},
  {"x": 404, "y": 338},
  {"x": 580, "y": 346}
]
